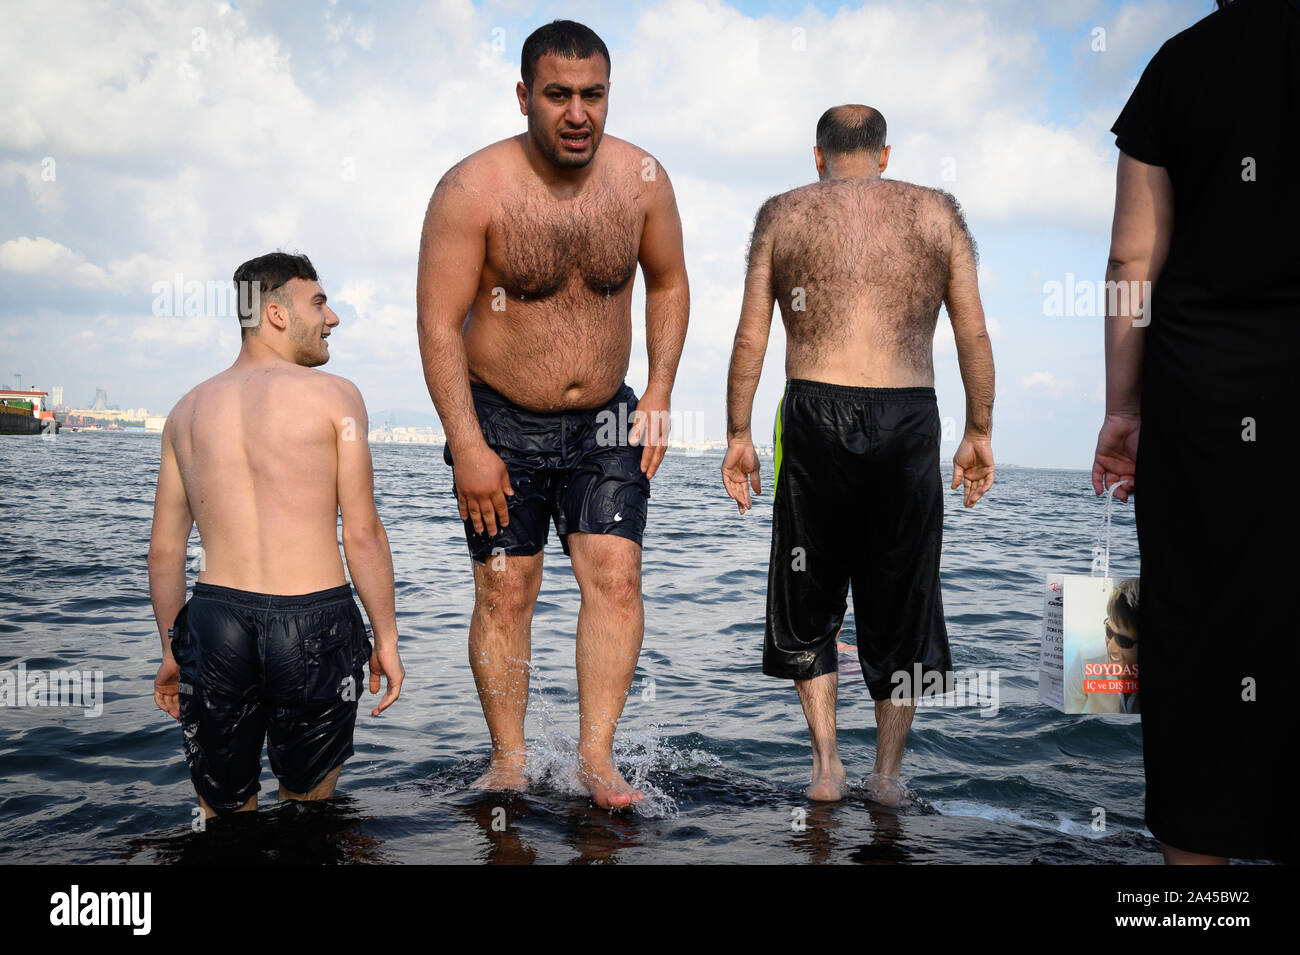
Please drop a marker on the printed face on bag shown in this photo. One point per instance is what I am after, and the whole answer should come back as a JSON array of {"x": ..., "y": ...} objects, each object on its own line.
[
  {"x": 1121, "y": 643},
  {"x": 1088, "y": 661}
]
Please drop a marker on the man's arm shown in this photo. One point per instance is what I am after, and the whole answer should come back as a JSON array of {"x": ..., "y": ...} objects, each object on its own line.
[
  {"x": 453, "y": 246},
  {"x": 667, "y": 310},
  {"x": 365, "y": 544},
  {"x": 1139, "y": 245},
  {"x": 172, "y": 521},
  {"x": 740, "y": 467},
  {"x": 973, "y": 462}
]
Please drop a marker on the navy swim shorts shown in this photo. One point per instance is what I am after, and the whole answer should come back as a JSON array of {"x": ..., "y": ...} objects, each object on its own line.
[
  {"x": 575, "y": 468},
  {"x": 857, "y": 498},
  {"x": 263, "y": 667}
]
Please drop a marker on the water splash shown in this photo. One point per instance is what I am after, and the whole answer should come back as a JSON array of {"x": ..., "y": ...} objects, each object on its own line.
[
  {"x": 1038, "y": 820},
  {"x": 553, "y": 759},
  {"x": 892, "y": 793}
]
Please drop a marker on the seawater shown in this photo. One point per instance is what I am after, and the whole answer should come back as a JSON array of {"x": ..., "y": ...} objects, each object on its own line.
[{"x": 720, "y": 750}]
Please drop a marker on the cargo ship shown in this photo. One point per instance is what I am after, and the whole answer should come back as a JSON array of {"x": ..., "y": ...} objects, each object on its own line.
[{"x": 23, "y": 412}]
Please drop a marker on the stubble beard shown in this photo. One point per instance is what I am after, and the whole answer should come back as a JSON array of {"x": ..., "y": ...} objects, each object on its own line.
[
  {"x": 309, "y": 347},
  {"x": 554, "y": 153}
]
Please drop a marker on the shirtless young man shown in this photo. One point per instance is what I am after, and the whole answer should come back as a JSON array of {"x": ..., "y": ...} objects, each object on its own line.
[
  {"x": 264, "y": 457},
  {"x": 859, "y": 266},
  {"x": 527, "y": 262}
]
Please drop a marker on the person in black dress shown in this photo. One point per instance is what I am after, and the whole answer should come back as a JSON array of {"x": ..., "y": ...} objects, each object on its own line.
[{"x": 1201, "y": 410}]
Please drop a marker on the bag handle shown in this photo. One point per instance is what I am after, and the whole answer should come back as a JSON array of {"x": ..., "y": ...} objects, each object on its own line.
[{"x": 1101, "y": 549}]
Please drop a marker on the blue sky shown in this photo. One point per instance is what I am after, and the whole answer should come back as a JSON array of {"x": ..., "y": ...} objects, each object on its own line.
[{"x": 147, "y": 140}]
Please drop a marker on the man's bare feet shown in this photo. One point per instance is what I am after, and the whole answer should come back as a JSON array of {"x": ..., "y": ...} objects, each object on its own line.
[
  {"x": 885, "y": 790},
  {"x": 829, "y": 781},
  {"x": 606, "y": 784},
  {"x": 504, "y": 773}
]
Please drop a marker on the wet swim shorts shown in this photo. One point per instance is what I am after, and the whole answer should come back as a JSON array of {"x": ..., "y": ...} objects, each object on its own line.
[
  {"x": 255, "y": 667},
  {"x": 857, "y": 499},
  {"x": 575, "y": 468}
]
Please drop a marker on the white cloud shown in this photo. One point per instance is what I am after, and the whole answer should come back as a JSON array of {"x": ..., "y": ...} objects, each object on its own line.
[
  {"x": 1047, "y": 383},
  {"x": 169, "y": 334},
  {"x": 325, "y": 132},
  {"x": 41, "y": 256},
  {"x": 41, "y": 179}
]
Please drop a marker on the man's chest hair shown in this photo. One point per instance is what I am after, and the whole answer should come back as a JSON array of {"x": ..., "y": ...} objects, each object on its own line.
[{"x": 542, "y": 243}]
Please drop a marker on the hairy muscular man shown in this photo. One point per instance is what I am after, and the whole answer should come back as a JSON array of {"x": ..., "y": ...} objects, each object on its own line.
[
  {"x": 859, "y": 266},
  {"x": 527, "y": 262}
]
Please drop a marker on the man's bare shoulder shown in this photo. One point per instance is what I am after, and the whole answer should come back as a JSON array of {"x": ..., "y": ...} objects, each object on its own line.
[
  {"x": 185, "y": 403},
  {"x": 937, "y": 203},
  {"x": 902, "y": 187},
  {"x": 777, "y": 207},
  {"x": 303, "y": 387},
  {"x": 481, "y": 174},
  {"x": 189, "y": 403},
  {"x": 767, "y": 221},
  {"x": 329, "y": 386},
  {"x": 790, "y": 199},
  {"x": 178, "y": 418},
  {"x": 799, "y": 201},
  {"x": 624, "y": 156},
  {"x": 949, "y": 214},
  {"x": 314, "y": 394},
  {"x": 930, "y": 208}
]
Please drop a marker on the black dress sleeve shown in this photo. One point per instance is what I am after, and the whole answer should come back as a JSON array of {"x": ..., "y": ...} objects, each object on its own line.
[{"x": 1142, "y": 129}]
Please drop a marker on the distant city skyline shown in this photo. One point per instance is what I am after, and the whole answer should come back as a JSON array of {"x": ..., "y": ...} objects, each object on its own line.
[{"x": 56, "y": 394}]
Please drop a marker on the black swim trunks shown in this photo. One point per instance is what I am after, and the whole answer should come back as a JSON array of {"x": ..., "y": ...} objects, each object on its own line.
[
  {"x": 575, "y": 468},
  {"x": 858, "y": 499},
  {"x": 255, "y": 667}
]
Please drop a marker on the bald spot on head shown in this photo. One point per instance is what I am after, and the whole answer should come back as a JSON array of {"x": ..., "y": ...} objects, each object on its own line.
[{"x": 850, "y": 128}]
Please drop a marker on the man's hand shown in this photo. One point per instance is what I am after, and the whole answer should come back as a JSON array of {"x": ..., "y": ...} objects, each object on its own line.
[
  {"x": 1116, "y": 455},
  {"x": 482, "y": 484},
  {"x": 651, "y": 428},
  {"x": 166, "y": 687},
  {"x": 384, "y": 661},
  {"x": 972, "y": 465},
  {"x": 740, "y": 472}
]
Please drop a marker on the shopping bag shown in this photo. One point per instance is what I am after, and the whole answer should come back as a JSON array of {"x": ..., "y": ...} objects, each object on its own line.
[{"x": 1088, "y": 658}]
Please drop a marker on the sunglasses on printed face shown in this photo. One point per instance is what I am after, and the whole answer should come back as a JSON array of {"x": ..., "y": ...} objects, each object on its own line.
[{"x": 1124, "y": 642}]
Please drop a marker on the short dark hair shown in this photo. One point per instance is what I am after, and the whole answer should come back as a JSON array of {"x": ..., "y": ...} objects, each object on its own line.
[
  {"x": 566, "y": 38},
  {"x": 848, "y": 129},
  {"x": 271, "y": 272},
  {"x": 1122, "y": 605}
]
